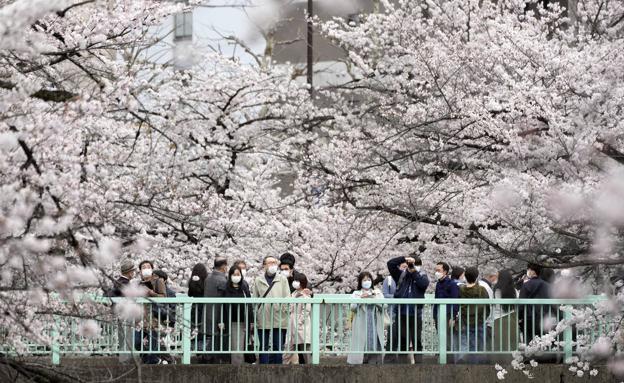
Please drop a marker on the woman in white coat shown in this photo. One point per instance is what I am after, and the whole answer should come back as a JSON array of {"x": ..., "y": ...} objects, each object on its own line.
[
  {"x": 299, "y": 334},
  {"x": 367, "y": 327}
]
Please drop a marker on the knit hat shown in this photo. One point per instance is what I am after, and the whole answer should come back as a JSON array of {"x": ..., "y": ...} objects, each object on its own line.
[
  {"x": 127, "y": 266},
  {"x": 287, "y": 259}
]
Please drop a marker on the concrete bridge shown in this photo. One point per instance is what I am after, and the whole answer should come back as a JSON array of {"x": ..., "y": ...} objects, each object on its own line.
[{"x": 99, "y": 369}]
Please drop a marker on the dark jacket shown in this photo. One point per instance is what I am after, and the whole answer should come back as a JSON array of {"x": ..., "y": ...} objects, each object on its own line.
[
  {"x": 196, "y": 290},
  {"x": 118, "y": 285},
  {"x": 409, "y": 285},
  {"x": 214, "y": 287},
  {"x": 530, "y": 316},
  {"x": 238, "y": 312},
  {"x": 471, "y": 314},
  {"x": 445, "y": 289}
]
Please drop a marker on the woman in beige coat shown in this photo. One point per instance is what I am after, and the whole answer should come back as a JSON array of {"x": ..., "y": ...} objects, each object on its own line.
[
  {"x": 367, "y": 327},
  {"x": 299, "y": 334}
]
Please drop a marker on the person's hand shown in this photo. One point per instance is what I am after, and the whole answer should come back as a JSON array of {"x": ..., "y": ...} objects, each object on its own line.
[
  {"x": 307, "y": 291},
  {"x": 221, "y": 326}
]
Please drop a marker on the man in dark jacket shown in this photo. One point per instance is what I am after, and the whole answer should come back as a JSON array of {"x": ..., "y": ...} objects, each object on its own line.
[
  {"x": 287, "y": 268},
  {"x": 127, "y": 274},
  {"x": 214, "y": 287},
  {"x": 445, "y": 288},
  {"x": 411, "y": 283},
  {"x": 530, "y": 317}
]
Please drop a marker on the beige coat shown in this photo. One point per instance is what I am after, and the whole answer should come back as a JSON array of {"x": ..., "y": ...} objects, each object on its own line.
[
  {"x": 299, "y": 329},
  {"x": 271, "y": 315}
]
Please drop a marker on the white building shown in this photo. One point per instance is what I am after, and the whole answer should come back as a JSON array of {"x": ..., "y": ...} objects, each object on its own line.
[{"x": 257, "y": 30}]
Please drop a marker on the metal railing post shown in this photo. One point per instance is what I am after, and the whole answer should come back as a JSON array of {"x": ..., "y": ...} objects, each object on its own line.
[
  {"x": 186, "y": 334},
  {"x": 567, "y": 337},
  {"x": 55, "y": 347},
  {"x": 316, "y": 325},
  {"x": 442, "y": 326}
]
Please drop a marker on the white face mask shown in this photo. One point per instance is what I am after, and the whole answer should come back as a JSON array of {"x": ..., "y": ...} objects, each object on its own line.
[
  {"x": 236, "y": 279},
  {"x": 367, "y": 284},
  {"x": 438, "y": 275},
  {"x": 272, "y": 270},
  {"x": 530, "y": 274},
  {"x": 285, "y": 273},
  {"x": 296, "y": 285},
  {"x": 146, "y": 273},
  {"x": 417, "y": 268}
]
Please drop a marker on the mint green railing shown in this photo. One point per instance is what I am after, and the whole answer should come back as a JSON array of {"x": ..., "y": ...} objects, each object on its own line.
[{"x": 330, "y": 325}]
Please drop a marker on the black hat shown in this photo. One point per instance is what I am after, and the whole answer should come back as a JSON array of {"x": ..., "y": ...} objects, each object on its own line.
[{"x": 287, "y": 259}]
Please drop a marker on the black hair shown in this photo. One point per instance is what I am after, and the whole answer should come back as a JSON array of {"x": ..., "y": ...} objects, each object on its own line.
[
  {"x": 417, "y": 260},
  {"x": 505, "y": 284},
  {"x": 536, "y": 268},
  {"x": 219, "y": 262},
  {"x": 231, "y": 272},
  {"x": 472, "y": 273},
  {"x": 287, "y": 259},
  {"x": 196, "y": 288},
  {"x": 547, "y": 275},
  {"x": 290, "y": 267},
  {"x": 445, "y": 266},
  {"x": 457, "y": 272},
  {"x": 303, "y": 280},
  {"x": 161, "y": 274},
  {"x": 363, "y": 275},
  {"x": 144, "y": 262}
]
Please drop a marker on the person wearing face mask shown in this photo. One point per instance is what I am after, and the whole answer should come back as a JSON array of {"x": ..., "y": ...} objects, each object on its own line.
[
  {"x": 238, "y": 317},
  {"x": 214, "y": 287},
  {"x": 530, "y": 316},
  {"x": 242, "y": 265},
  {"x": 299, "y": 335},
  {"x": 147, "y": 337},
  {"x": 287, "y": 268},
  {"x": 367, "y": 326},
  {"x": 445, "y": 288},
  {"x": 155, "y": 286},
  {"x": 271, "y": 319},
  {"x": 411, "y": 283}
]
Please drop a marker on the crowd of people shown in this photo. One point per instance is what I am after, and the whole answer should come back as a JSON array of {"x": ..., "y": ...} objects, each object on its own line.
[{"x": 222, "y": 333}]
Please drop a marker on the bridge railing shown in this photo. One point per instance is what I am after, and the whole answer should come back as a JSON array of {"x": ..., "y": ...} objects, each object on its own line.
[{"x": 326, "y": 325}]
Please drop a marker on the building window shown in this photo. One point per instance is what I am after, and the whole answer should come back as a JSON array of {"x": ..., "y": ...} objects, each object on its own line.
[{"x": 183, "y": 26}]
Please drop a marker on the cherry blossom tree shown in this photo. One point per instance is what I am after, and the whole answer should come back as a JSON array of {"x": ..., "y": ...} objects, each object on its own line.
[
  {"x": 472, "y": 131},
  {"x": 484, "y": 130},
  {"x": 109, "y": 156}
]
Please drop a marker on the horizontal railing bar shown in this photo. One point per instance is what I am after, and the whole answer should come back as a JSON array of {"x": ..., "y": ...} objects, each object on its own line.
[{"x": 349, "y": 299}]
